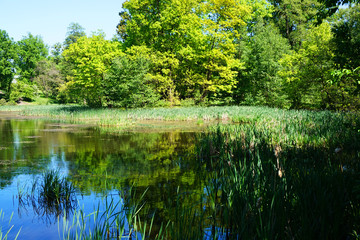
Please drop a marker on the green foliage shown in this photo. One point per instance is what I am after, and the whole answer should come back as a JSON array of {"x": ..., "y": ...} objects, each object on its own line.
[
  {"x": 23, "y": 91},
  {"x": 344, "y": 89},
  {"x": 265, "y": 179},
  {"x": 74, "y": 32},
  {"x": 31, "y": 49},
  {"x": 216, "y": 52},
  {"x": 346, "y": 29},
  {"x": 127, "y": 84},
  {"x": 307, "y": 70},
  {"x": 91, "y": 58},
  {"x": 199, "y": 38},
  {"x": 8, "y": 55},
  {"x": 260, "y": 81},
  {"x": 56, "y": 52},
  {"x": 294, "y": 17},
  {"x": 2, "y": 102},
  {"x": 48, "y": 78}
]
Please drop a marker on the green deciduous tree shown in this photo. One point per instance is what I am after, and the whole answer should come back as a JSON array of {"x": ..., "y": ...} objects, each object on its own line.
[
  {"x": 31, "y": 49},
  {"x": 294, "y": 17},
  {"x": 346, "y": 29},
  {"x": 8, "y": 55},
  {"x": 193, "y": 40},
  {"x": 48, "y": 78},
  {"x": 74, "y": 32},
  {"x": 91, "y": 57},
  {"x": 260, "y": 81},
  {"x": 344, "y": 89},
  {"x": 56, "y": 51},
  {"x": 127, "y": 83},
  {"x": 307, "y": 71}
]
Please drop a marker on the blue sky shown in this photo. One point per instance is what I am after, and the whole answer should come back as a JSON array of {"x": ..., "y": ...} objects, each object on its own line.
[{"x": 50, "y": 19}]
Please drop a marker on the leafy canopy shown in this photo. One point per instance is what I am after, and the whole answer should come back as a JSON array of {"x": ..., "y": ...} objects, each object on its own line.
[{"x": 91, "y": 57}]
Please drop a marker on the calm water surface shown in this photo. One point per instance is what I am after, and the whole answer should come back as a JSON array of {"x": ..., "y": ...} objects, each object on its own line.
[{"x": 96, "y": 162}]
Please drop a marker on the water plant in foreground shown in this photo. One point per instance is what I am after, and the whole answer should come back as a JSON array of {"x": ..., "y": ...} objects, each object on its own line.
[
  {"x": 115, "y": 217},
  {"x": 263, "y": 189},
  {"x": 5, "y": 232},
  {"x": 50, "y": 195}
]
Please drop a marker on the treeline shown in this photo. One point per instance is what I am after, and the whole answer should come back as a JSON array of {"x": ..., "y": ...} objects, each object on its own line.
[{"x": 282, "y": 53}]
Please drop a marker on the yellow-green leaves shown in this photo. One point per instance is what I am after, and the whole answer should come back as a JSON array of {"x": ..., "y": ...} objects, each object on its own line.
[
  {"x": 191, "y": 42},
  {"x": 91, "y": 58},
  {"x": 306, "y": 70}
]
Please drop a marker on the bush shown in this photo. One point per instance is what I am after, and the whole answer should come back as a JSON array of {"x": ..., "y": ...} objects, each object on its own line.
[
  {"x": 22, "y": 90},
  {"x": 3, "y": 102}
]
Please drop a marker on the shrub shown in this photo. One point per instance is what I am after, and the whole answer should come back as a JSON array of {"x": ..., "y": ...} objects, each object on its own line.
[
  {"x": 2, "y": 102},
  {"x": 22, "y": 90}
]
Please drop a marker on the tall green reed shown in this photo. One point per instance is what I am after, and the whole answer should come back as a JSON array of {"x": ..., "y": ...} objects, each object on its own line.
[
  {"x": 114, "y": 218},
  {"x": 267, "y": 186},
  {"x": 50, "y": 195},
  {"x": 4, "y": 234}
]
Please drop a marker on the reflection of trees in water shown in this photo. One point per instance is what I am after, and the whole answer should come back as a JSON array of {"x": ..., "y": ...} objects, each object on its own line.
[
  {"x": 159, "y": 163},
  {"x": 138, "y": 158},
  {"x": 97, "y": 162},
  {"x": 6, "y": 136},
  {"x": 28, "y": 146}
]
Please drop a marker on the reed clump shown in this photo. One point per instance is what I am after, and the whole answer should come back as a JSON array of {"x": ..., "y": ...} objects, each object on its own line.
[{"x": 51, "y": 195}]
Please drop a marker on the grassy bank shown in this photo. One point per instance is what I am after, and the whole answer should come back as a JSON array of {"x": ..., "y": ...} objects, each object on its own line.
[
  {"x": 289, "y": 127},
  {"x": 119, "y": 116},
  {"x": 236, "y": 114}
]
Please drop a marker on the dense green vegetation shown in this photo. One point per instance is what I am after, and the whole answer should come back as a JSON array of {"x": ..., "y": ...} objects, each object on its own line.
[{"x": 288, "y": 54}]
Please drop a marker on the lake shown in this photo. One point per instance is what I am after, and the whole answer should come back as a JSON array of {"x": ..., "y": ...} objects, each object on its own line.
[
  {"x": 99, "y": 163},
  {"x": 292, "y": 178}
]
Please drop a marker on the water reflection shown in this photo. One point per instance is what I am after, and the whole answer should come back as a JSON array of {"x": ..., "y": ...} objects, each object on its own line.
[{"x": 96, "y": 163}]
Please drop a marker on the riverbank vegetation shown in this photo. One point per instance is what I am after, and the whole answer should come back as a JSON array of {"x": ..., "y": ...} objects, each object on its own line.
[
  {"x": 279, "y": 174},
  {"x": 285, "y": 54}
]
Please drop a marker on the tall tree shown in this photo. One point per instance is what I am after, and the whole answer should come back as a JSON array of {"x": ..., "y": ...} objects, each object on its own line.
[
  {"x": 329, "y": 7},
  {"x": 56, "y": 51},
  {"x": 48, "y": 78},
  {"x": 91, "y": 58},
  {"x": 346, "y": 29},
  {"x": 8, "y": 55},
  {"x": 293, "y": 17},
  {"x": 31, "y": 49},
  {"x": 306, "y": 72},
  {"x": 193, "y": 41},
  {"x": 127, "y": 83},
  {"x": 74, "y": 32},
  {"x": 259, "y": 81}
]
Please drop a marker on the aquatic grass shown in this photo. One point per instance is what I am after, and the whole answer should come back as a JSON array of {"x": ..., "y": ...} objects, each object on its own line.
[
  {"x": 56, "y": 190},
  {"x": 4, "y": 234},
  {"x": 264, "y": 187},
  {"x": 112, "y": 219},
  {"x": 310, "y": 126},
  {"x": 275, "y": 174},
  {"x": 50, "y": 195}
]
